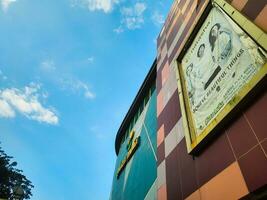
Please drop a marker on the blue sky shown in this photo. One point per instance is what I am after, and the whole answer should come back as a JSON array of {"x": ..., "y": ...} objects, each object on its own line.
[{"x": 69, "y": 70}]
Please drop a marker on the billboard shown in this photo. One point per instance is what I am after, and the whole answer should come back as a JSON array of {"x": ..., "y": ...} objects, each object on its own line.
[{"x": 221, "y": 61}]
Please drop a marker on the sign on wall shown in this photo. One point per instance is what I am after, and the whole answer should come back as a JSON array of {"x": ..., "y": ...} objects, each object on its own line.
[
  {"x": 131, "y": 148},
  {"x": 220, "y": 67}
]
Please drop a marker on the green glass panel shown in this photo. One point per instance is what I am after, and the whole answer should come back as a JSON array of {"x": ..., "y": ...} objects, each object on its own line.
[{"x": 140, "y": 173}]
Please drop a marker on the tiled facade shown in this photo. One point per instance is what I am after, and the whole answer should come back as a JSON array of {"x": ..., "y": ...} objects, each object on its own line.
[{"x": 235, "y": 163}]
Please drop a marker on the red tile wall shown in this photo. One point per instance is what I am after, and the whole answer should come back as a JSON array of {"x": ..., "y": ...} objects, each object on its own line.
[{"x": 245, "y": 138}]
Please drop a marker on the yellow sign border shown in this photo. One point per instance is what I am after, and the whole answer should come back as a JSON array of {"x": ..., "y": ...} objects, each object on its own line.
[
  {"x": 130, "y": 152},
  {"x": 192, "y": 140}
]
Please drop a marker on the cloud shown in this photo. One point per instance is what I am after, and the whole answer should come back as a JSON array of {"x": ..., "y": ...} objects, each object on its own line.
[
  {"x": 91, "y": 59},
  {"x": 133, "y": 17},
  {"x": 2, "y": 76},
  {"x": 26, "y": 102},
  {"x": 96, "y": 130},
  {"x": 77, "y": 86},
  {"x": 155, "y": 40},
  {"x": 118, "y": 30},
  {"x": 48, "y": 65},
  {"x": 5, "y": 110},
  {"x": 67, "y": 82},
  {"x": 93, "y": 5},
  {"x": 6, "y": 3},
  {"x": 157, "y": 18},
  {"x": 105, "y": 5}
]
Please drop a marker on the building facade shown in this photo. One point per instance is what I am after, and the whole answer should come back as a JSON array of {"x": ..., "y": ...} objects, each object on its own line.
[
  {"x": 136, "y": 146},
  {"x": 211, "y": 104}
]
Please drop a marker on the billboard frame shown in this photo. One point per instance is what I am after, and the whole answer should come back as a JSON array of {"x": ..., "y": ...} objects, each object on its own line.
[{"x": 195, "y": 143}]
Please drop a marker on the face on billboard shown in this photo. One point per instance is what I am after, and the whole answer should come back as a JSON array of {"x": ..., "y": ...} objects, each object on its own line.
[{"x": 221, "y": 61}]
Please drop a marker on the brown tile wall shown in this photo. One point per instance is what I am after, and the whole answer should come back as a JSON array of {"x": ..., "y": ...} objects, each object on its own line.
[
  {"x": 239, "y": 151},
  {"x": 173, "y": 176},
  {"x": 170, "y": 114},
  {"x": 253, "y": 8},
  {"x": 161, "y": 153},
  {"x": 188, "y": 170},
  {"x": 264, "y": 146},
  {"x": 254, "y": 168}
]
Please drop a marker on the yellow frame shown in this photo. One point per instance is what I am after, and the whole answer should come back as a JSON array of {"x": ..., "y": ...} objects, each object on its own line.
[{"x": 255, "y": 33}]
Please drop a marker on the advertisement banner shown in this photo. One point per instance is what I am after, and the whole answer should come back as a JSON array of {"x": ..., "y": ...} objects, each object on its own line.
[{"x": 221, "y": 60}]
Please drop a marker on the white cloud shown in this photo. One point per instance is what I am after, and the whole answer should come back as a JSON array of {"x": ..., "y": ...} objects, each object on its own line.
[
  {"x": 91, "y": 59},
  {"x": 2, "y": 76},
  {"x": 157, "y": 18},
  {"x": 48, "y": 65},
  {"x": 118, "y": 30},
  {"x": 5, "y": 110},
  {"x": 105, "y": 5},
  {"x": 6, "y": 3},
  {"x": 98, "y": 132},
  {"x": 133, "y": 17},
  {"x": 155, "y": 40},
  {"x": 26, "y": 101},
  {"x": 77, "y": 86},
  {"x": 94, "y": 5},
  {"x": 89, "y": 95},
  {"x": 67, "y": 82}
]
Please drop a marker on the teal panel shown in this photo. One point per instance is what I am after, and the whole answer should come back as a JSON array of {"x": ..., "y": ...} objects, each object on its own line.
[
  {"x": 152, "y": 193},
  {"x": 140, "y": 173},
  {"x": 151, "y": 121}
]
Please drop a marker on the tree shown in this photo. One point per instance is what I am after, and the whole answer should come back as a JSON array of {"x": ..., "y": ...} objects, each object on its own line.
[{"x": 11, "y": 178}]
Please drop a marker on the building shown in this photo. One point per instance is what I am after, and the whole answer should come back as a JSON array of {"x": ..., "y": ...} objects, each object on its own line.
[
  {"x": 203, "y": 133},
  {"x": 136, "y": 146}
]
